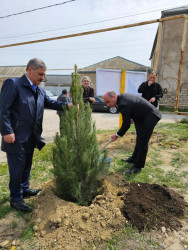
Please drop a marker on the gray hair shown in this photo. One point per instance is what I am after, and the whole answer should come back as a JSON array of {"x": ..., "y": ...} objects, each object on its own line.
[
  {"x": 85, "y": 77},
  {"x": 153, "y": 73},
  {"x": 111, "y": 93},
  {"x": 36, "y": 63}
]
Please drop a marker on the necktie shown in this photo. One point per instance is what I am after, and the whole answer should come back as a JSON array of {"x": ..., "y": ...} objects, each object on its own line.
[{"x": 34, "y": 87}]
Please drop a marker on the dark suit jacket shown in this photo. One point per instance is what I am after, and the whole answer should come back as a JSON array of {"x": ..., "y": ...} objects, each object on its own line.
[
  {"x": 134, "y": 107},
  {"x": 21, "y": 113},
  {"x": 62, "y": 98},
  {"x": 154, "y": 90}
]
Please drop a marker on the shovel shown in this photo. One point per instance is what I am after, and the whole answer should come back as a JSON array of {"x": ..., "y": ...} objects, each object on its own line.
[{"x": 105, "y": 145}]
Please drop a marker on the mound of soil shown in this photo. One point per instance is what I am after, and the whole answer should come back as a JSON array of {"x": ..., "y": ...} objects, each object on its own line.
[
  {"x": 66, "y": 225},
  {"x": 153, "y": 206}
]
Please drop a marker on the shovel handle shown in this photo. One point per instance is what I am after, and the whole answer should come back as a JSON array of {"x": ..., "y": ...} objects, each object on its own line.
[{"x": 106, "y": 145}]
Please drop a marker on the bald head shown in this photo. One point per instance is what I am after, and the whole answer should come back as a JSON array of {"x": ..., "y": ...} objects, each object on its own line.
[{"x": 110, "y": 98}]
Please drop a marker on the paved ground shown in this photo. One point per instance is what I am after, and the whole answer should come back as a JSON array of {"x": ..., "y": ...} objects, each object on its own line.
[{"x": 104, "y": 121}]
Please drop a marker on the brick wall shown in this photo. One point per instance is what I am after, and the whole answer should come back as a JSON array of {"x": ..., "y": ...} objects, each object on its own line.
[{"x": 168, "y": 99}]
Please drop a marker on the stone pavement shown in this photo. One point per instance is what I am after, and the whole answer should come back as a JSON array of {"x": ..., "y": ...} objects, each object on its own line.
[{"x": 104, "y": 121}]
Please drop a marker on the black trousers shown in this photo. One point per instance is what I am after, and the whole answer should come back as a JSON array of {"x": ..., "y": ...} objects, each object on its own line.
[
  {"x": 144, "y": 130},
  {"x": 60, "y": 124}
]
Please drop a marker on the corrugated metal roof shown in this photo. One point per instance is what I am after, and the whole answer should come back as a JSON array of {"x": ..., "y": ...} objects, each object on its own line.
[
  {"x": 175, "y": 11},
  {"x": 17, "y": 71},
  {"x": 58, "y": 79},
  {"x": 117, "y": 62},
  {"x": 12, "y": 71}
]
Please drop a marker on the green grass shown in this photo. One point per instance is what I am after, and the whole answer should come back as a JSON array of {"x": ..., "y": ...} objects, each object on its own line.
[
  {"x": 28, "y": 233},
  {"x": 41, "y": 171},
  {"x": 4, "y": 208},
  {"x": 178, "y": 159},
  {"x": 3, "y": 169},
  {"x": 99, "y": 132},
  {"x": 153, "y": 172},
  {"x": 42, "y": 164},
  {"x": 184, "y": 121},
  {"x": 173, "y": 131},
  {"x": 4, "y": 191},
  {"x": 172, "y": 109},
  {"x": 130, "y": 238}
]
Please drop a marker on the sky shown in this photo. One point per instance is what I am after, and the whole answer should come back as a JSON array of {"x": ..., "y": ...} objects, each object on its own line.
[{"x": 76, "y": 16}]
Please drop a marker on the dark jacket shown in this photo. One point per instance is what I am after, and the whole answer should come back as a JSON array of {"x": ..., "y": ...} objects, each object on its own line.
[
  {"x": 89, "y": 92},
  {"x": 154, "y": 90},
  {"x": 21, "y": 113},
  {"x": 62, "y": 98},
  {"x": 133, "y": 107}
]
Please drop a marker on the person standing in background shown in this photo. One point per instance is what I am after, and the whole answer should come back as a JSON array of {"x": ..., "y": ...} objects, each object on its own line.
[
  {"x": 88, "y": 93},
  {"x": 151, "y": 90},
  {"x": 62, "y": 98}
]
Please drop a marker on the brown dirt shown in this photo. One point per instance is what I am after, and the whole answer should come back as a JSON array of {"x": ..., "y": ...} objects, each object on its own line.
[
  {"x": 153, "y": 206},
  {"x": 65, "y": 224}
]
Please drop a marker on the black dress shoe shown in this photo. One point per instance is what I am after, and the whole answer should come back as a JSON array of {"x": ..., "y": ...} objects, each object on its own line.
[
  {"x": 31, "y": 192},
  {"x": 20, "y": 206},
  {"x": 133, "y": 170},
  {"x": 129, "y": 160}
]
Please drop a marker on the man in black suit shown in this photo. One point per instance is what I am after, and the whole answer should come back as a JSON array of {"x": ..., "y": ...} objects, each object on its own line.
[
  {"x": 62, "y": 98},
  {"x": 145, "y": 117}
]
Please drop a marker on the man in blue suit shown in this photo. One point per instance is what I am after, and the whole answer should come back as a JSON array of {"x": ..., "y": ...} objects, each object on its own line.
[{"x": 22, "y": 104}]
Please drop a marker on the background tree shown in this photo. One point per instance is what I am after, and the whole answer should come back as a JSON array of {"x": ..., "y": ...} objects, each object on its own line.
[{"x": 77, "y": 168}]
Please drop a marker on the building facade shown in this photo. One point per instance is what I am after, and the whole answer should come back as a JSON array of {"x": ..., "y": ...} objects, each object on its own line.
[
  {"x": 56, "y": 83},
  {"x": 169, "y": 59},
  {"x": 117, "y": 62},
  {"x": 11, "y": 72}
]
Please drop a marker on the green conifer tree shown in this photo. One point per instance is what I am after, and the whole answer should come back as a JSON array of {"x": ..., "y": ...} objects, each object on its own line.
[{"x": 77, "y": 168}]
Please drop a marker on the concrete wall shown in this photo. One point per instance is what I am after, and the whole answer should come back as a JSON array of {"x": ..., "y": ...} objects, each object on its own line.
[{"x": 168, "y": 65}]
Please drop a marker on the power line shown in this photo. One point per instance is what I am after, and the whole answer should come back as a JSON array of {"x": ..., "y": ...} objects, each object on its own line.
[
  {"x": 49, "y": 6},
  {"x": 83, "y": 33},
  {"x": 30, "y": 34},
  {"x": 78, "y": 25},
  {"x": 96, "y": 31}
]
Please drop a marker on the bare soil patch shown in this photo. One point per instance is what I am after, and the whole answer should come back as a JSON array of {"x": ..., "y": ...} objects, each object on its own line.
[
  {"x": 72, "y": 226},
  {"x": 153, "y": 206}
]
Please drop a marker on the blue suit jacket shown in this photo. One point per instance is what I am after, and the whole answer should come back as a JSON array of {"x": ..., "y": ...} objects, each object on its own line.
[{"x": 22, "y": 115}]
